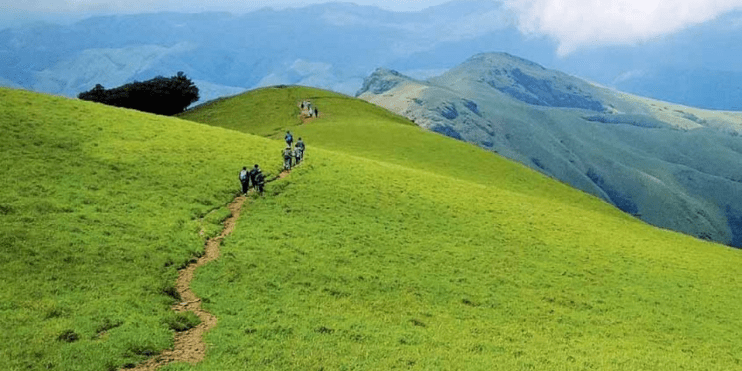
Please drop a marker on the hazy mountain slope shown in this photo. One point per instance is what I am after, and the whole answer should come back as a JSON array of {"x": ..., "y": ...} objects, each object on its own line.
[
  {"x": 336, "y": 45},
  {"x": 331, "y": 45},
  {"x": 673, "y": 166}
]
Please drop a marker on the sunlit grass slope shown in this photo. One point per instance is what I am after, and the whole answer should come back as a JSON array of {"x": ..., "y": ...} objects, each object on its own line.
[
  {"x": 355, "y": 127},
  {"x": 372, "y": 256},
  {"x": 99, "y": 207}
]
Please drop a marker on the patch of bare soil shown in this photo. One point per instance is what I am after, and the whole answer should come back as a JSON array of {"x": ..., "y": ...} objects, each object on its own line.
[{"x": 189, "y": 345}]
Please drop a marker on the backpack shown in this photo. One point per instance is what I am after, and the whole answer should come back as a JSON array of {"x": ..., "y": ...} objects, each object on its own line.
[
  {"x": 289, "y": 138},
  {"x": 243, "y": 175}
]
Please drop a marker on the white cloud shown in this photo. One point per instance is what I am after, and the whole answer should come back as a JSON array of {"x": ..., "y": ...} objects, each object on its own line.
[{"x": 580, "y": 23}]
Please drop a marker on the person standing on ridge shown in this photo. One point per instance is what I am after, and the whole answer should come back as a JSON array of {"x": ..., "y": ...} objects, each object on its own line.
[
  {"x": 245, "y": 180},
  {"x": 289, "y": 138},
  {"x": 287, "y": 155}
]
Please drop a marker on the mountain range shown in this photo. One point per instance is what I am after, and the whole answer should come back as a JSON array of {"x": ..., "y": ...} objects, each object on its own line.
[
  {"x": 673, "y": 166},
  {"x": 336, "y": 45}
]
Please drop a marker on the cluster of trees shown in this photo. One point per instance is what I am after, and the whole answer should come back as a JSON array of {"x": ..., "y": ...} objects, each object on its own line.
[{"x": 162, "y": 96}]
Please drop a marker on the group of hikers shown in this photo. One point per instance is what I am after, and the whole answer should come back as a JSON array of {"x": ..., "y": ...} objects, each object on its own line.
[
  {"x": 255, "y": 177},
  {"x": 291, "y": 157},
  {"x": 308, "y": 110}
]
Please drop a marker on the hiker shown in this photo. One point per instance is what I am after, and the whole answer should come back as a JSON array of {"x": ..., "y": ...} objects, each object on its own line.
[
  {"x": 298, "y": 154},
  {"x": 289, "y": 138},
  {"x": 300, "y": 144},
  {"x": 253, "y": 172},
  {"x": 287, "y": 155},
  {"x": 259, "y": 180},
  {"x": 245, "y": 180},
  {"x": 316, "y": 112}
]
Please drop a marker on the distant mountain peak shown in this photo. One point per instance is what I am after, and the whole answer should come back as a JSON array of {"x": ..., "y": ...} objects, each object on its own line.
[
  {"x": 382, "y": 80},
  {"x": 675, "y": 167},
  {"x": 525, "y": 81},
  {"x": 500, "y": 59}
]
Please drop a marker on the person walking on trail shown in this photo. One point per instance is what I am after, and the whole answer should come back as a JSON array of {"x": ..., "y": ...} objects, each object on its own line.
[
  {"x": 316, "y": 112},
  {"x": 289, "y": 138},
  {"x": 259, "y": 179},
  {"x": 287, "y": 155},
  {"x": 300, "y": 144},
  {"x": 298, "y": 154},
  {"x": 245, "y": 180},
  {"x": 253, "y": 172}
]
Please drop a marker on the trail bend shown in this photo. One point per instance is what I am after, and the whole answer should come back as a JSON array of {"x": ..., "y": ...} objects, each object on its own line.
[{"x": 190, "y": 345}]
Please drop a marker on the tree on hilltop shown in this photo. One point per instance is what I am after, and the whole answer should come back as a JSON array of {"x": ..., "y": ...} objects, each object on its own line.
[{"x": 162, "y": 96}]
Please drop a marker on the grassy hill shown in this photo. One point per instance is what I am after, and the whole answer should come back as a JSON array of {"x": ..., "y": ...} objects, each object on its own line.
[
  {"x": 398, "y": 248},
  {"x": 99, "y": 207},
  {"x": 391, "y": 247}
]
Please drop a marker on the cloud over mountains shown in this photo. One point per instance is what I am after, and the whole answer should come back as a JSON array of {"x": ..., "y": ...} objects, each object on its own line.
[{"x": 584, "y": 23}]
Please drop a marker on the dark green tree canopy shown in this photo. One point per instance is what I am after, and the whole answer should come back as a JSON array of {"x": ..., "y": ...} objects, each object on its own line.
[{"x": 162, "y": 96}]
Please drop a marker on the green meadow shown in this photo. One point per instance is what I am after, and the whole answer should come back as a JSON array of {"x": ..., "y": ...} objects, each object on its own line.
[
  {"x": 99, "y": 207},
  {"x": 397, "y": 248},
  {"x": 389, "y": 248}
]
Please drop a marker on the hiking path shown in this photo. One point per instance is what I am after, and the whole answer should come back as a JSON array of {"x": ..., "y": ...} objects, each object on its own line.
[{"x": 190, "y": 345}]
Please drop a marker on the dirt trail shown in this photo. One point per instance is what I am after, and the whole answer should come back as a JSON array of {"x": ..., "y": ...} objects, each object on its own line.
[{"x": 189, "y": 345}]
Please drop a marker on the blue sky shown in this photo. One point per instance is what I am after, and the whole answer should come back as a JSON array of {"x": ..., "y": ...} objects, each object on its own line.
[{"x": 574, "y": 24}]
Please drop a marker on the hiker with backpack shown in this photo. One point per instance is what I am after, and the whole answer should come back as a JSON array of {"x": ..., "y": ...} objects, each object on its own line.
[
  {"x": 289, "y": 138},
  {"x": 298, "y": 154},
  {"x": 259, "y": 180},
  {"x": 300, "y": 144},
  {"x": 287, "y": 155},
  {"x": 245, "y": 180},
  {"x": 254, "y": 171}
]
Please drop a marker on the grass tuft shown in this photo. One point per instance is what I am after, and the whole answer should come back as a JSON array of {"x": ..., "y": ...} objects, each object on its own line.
[{"x": 182, "y": 321}]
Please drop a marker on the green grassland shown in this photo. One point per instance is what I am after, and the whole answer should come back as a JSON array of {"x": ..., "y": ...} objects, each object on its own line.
[
  {"x": 393, "y": 248},
  {"x": 354, "y": 127},
  {"x": 99, "y": 207},
  {"x": 389, "y": 248}
]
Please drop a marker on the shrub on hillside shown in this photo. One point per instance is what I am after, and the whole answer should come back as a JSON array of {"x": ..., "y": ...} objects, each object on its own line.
[{"x": 162, "y": 96}]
